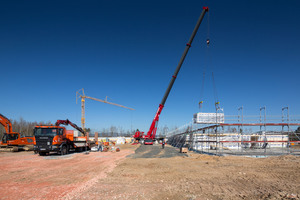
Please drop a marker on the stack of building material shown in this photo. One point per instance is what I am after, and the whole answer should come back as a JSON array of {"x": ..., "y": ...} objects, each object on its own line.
[{"x": 183, "y": 150}]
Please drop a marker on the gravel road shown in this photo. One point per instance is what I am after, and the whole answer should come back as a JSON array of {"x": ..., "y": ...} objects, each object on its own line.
[{"x": 156, "y": 151}]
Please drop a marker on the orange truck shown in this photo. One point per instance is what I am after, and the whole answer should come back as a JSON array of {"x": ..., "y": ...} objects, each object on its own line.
[
  {"x": 55, "y": 138},
  {"x": 14, "y": 140}
]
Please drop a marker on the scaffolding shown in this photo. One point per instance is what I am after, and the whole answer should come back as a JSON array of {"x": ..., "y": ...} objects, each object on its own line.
[{"x": 257, "y": 135}]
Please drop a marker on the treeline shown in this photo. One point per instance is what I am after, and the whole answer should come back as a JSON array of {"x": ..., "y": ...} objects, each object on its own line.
[
  {"x": 22, "y": 126},
  {"x": 114, "y": 131},
  {"x": 25, "y": 128}
]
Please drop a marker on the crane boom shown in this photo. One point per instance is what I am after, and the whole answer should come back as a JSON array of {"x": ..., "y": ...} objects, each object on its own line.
[
  {"x": 67, "y": 122},
  {"x": 83, "y": 97},
  {"x": 152, "y": 130},
  {"x": 104, "y": 101}
]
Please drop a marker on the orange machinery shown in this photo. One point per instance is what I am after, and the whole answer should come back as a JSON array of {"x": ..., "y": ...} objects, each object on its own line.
[
  {"x": 55, "y": 138},
  {"x": 14, "y": 139}
]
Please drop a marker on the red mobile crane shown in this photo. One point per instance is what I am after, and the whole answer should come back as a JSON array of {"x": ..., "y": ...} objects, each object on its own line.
[
  {"x": 152, "y": 130},
  {"x": 55, "y": 138},
  {"x": 138, "y": 135}
]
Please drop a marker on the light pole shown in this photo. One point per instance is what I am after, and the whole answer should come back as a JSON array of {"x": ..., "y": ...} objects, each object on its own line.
[{"x": 240, "y": 111}]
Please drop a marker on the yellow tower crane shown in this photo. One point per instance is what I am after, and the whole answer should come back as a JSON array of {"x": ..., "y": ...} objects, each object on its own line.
[{"x": 83, "y": 97}]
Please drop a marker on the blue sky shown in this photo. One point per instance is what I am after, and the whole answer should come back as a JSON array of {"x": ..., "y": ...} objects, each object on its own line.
[{"x": 128, "y": 50}]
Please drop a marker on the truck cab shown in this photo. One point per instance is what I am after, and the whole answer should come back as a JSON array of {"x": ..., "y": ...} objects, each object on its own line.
[
  {"x": 50, "y": 139},
  {"x": 55, "y": 138}
]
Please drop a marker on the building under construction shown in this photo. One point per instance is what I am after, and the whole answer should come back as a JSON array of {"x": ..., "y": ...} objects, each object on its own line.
[{"x": 257, "y": 136}]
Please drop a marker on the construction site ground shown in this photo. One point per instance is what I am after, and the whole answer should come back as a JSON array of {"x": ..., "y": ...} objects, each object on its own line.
[{"x": 147, "y": 172}]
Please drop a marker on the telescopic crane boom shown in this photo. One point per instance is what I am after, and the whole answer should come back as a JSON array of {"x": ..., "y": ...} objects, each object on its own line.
[{"x": 152, "y": 130}]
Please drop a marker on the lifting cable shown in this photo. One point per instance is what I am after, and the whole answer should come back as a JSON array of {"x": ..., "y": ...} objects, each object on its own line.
[
  {"x": 215, "y": 88},
  {"x": 216, "y": 99},
  {"x": 202, "y": 87},
  {"x": 205, "y": 65},
  {"x": 202, "y": 91},
  {"x": 210, "y": 62}
]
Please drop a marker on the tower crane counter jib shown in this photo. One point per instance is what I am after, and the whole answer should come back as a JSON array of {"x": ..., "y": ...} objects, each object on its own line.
[{"x": 152, "y": 130}]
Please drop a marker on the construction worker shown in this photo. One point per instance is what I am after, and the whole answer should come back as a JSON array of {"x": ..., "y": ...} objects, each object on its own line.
[
  {"x": 100, "y": 147},
  {"x": 163, "y": 144}
]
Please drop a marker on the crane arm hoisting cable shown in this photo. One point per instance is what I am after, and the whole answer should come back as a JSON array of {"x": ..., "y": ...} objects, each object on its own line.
[
  {"x": 217, "y": 103},
  {"x": 152, "y": 130}
]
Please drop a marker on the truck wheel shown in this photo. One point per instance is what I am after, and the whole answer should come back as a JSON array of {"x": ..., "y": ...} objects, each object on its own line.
[
  {"x": 68, "y": 149},
  {"x": 63, "y": 150},
  {"x": 79, "y": 149},
  {"x": 42, "y": 153}
]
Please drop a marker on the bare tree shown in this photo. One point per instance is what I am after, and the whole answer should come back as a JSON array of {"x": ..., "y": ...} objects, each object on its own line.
[
  {"x": 165, "y": 130},
  {"x": 113, "y": 130},
  {"x": 22, "y": 126},
  {"x": 121, "y": 131}
]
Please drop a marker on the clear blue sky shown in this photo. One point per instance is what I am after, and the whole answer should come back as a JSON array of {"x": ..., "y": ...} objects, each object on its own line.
[{"x": 128, "y": 50}]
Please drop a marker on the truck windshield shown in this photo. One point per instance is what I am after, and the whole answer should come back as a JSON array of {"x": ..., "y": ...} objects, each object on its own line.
[{"x": 45, "y": 131}]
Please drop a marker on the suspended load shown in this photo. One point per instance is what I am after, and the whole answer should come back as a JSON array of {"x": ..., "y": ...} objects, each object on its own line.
[{"x": 209, "y": 118}]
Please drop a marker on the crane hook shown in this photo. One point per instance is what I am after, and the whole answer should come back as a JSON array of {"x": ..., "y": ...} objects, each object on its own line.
[{"x": 207, "y": 42}]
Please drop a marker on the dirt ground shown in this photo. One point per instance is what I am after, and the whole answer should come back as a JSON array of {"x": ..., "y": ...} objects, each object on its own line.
[{"x": 147, "y": 172}]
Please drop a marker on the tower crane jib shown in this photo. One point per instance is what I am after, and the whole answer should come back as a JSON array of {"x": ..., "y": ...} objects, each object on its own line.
[{"x": 83, "y": 97}]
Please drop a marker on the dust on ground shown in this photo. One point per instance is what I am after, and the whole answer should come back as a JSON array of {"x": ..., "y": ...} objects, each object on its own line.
[{"x": 148, "y": 172}]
